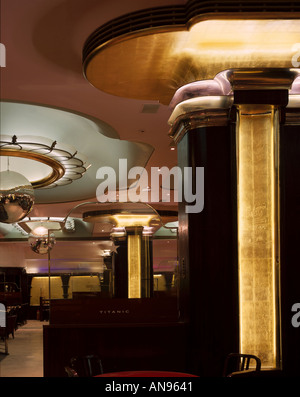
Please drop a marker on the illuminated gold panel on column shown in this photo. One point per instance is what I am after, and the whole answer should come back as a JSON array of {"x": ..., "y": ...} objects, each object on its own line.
[
  {"x": 257, "y": 145},
  {"x": 134, "y": 266}
]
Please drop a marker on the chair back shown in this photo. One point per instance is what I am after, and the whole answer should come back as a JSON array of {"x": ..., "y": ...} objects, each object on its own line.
[
  {"x": 238, "y": 362},
  {"x": 87, "y": 366},
  {"x": 71, "y": 372}
]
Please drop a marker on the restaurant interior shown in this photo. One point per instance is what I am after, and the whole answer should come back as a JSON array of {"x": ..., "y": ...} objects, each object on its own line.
[{"x": 149, "y": 212}]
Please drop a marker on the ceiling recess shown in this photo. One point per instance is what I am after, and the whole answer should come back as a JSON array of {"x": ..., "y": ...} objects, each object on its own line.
[{"x": 150, "y": 108}]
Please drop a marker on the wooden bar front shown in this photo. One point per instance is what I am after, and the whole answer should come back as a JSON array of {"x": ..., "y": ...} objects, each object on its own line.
[{"x": 127, "y": 334}]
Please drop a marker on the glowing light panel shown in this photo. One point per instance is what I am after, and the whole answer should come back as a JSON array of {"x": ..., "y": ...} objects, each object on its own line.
[
  {"x": 257, "y": 134},
  {"x": 134, "y": 266}
]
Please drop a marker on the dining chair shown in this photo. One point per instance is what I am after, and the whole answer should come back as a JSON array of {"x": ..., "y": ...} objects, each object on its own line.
[
  {"x": 87, "y": 366},
  {"x": 238, "y": 363},
  {"x": 71, "y": 372},
  {"x": 11, "y": 322},
  {"x": 3, "y": 337}
]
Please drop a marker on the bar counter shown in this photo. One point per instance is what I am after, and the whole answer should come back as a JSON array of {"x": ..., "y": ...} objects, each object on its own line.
[{"x": 126, "y": 334}]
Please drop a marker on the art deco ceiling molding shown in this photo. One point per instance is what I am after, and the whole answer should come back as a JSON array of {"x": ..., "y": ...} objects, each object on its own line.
[
  {"x": 149, "y": 54},
  {"x": 60, "y": 151},
  {"x": 65, "y": 162}
]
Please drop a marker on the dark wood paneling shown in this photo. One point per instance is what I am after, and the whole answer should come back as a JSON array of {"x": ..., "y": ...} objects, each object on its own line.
[
  {"x": 289, "y": 245},
  {"x": 208, "y": 252},
  {"x": 121, "y": 347},
  {"x": 103, "y": 311}
]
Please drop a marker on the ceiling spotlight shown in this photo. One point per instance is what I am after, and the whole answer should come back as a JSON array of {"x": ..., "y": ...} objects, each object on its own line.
[{"x": 16, "y": 197}]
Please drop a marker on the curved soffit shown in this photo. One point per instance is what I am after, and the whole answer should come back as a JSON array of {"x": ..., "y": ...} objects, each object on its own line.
[
  {"x": 93, "y": 139},
  {"x": 149, "y": 54}
]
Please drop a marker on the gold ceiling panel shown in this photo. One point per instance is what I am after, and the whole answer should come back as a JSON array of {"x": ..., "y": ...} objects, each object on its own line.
[{"x": 153, "y": 63}]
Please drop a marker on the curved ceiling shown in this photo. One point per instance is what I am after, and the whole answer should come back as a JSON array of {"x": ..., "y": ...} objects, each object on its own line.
[
  {"x": 153, "y": 63},
  {"x": 91, "y": 140},
  {"x": 44, "y": 41},
  {"x": 43, "y": 68}
]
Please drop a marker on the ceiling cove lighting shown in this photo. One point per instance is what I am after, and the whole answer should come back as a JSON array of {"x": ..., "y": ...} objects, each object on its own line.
[
  {"x": 195, "y": 51},
  {"x": 46, "y": 163},
  {"x": 29, "y": 224}
]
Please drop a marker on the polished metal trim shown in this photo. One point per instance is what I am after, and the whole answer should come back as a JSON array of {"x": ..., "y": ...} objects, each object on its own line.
[
  {"x": 182, "y": 17},
  {"x": 57, "y": 169},
  {"x": 199, "y": 112},
  {"x": 261, "y": 79}
]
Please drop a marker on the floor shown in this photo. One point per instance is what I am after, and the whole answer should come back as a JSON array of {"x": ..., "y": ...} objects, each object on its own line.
[{"x": 25, "y": 358}]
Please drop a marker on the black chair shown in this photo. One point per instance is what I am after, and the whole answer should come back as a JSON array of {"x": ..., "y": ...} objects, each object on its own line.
[
  {"x": 237, "y": 363},
  {"x": 71, "y": 372},
  {"x": 87, "y": 366},
  {"x": 11, "y": 325},
  {"x": 3, "y": 337}
]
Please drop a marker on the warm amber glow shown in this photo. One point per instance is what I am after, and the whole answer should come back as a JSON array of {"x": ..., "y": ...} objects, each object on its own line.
[
  {"x": 257, "y": 132},
  {"x": 128, "y": 220},
  {"x": 83, "y": 284},
  {"x": 40, "y": 288},
  {"x": 153, "y": 66},
  {"x": 134, "y": 266}
]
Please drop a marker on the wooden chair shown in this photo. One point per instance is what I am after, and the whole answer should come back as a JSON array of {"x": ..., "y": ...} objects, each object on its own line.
[{"x": 237, "y": 363}]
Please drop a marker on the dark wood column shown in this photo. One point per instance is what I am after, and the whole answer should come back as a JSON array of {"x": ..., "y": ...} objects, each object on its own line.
[
  {"x": 147, "y": 267},
  {"x": 120, "y": 269},
  {"x": 65, "y": 278},
  {"x": 208, "y": 296},
  {"x": 289, "y": 247}
]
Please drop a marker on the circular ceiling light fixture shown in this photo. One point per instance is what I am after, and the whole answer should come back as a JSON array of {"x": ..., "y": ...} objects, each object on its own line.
[
  {"x": 16, "y": 197},
  {"x": 45, "y": 163}
]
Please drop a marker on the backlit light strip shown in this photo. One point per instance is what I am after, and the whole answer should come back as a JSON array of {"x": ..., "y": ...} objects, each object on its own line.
[
  {"x": 134, "y": 266},
  {"x": 257, "y": 145}
]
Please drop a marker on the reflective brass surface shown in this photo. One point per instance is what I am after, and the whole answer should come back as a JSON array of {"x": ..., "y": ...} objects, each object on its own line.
[
  {"x": 57, "y": 169},
  {"x": 16, "y": 197},
  {"x": 41, "y": 244},
  {"x": 152, "y": 64},
  {"x": 262, "y": 79},
  {"x": 121, "y": 219},
  {"x": 199, "y": 112}
]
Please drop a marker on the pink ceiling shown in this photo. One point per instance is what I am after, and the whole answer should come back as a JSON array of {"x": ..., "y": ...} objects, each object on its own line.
[{"x": 44, "y": 40}]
